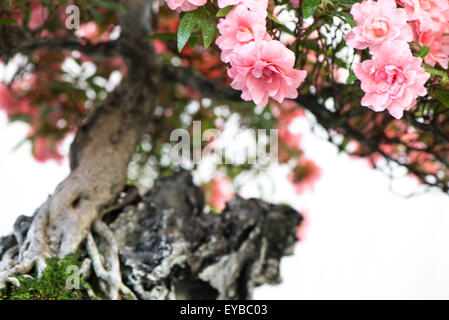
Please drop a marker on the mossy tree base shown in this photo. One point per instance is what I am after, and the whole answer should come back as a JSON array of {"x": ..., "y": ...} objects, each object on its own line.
[
  {"x": 168, "y": 247},
  {"x": 52, "y": 285}
]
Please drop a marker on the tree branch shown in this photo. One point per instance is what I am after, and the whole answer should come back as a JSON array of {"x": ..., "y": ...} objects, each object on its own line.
[
  {"x": 337, "y": 120},
  {"x": 100, "y": 50},
  {"x": 208, "y": 88}
]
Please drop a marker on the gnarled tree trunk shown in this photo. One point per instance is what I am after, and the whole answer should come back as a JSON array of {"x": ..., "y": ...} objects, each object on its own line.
[{"x": 169, "y": 248}]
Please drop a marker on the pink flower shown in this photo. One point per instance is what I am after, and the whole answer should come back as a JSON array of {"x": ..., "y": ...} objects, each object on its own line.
[
  {"x": 290, "y": 139},
  {"x": 185, "y": 5},
  {"x": 240, "y": 27},
  {"x": 304, "y": 175},
  {"x": 38, "y": 15},
  {"x": 393, "y": 79},
  {"x": 13, "y": 105},
  {"x": 301, "y": 230},
  {"x": 378, "y": 22},
  {"x": 44, "y": 149},
  {"x": 294, "y": 3},
  {"x": 435, "y": 36},
  {"x": 90, "y": 30},
  {"x": 263, "y": 70},
  {"x": 254, "y": 5},
  {"x": 220, "y": 193},
  {"x": 426, "y": 10}
]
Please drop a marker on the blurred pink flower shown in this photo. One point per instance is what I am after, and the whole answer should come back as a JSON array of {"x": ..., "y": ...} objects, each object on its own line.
[
  {"x": 392, "y": 79},
  {"x": 289, "y": 138},
  {"x": 44, "y": 149},
  {"x": 304, "y": 175},
  {"x": 90, "y": 30},
  {"x": 220, "y": 193},
  {"x": 301, "y": 230},
  {"x": 12, "y": 105},
  {"x": 38, "y": 15}
]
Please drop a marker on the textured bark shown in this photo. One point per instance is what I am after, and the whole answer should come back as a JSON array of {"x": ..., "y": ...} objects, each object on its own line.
[
  {"x": 170, "y": 248},
  {"x": 99, "y": 155}
]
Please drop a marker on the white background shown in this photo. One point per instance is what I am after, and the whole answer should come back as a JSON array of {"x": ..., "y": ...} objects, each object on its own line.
[{"x": 361, "y": 240}]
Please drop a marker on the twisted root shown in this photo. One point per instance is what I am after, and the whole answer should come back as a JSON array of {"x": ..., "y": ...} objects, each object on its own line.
[
  {"x": 107, "y": 267},
  {"x": 32, "y": 252}
]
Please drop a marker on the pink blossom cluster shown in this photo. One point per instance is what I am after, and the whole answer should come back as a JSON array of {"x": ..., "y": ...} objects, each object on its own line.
[
  {"x": 304, "y": 175},
  {"x": 262, "y": 68},
  {"x": 15, "y": 102},
  {"x": 91, "y": 31},
  {"x": 393, "y": 78},
  {"x": 45, "y": 149},
  {"x": 430, "y": 23},
  {"x": 38, "y": 15},
  {"x": 219, "y": 191}
]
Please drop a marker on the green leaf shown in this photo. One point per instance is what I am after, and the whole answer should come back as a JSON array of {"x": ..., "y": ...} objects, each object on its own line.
[
  {"x": 343, "y": 145},
  {"x": 111, "y": 5},
  {"x": 347, "y": 18},
  {"x": 349, "y": 1},
  {"x": 423, "y": 52},
  {"x": 206, "y": 20},
  {"x": 188, "y": 23},
  {"x": 223, "y": 12},
  {"x": 7, "y": 21},
  {"x": 273, "y": 18},
  {"x": 443, "y": 96},
  {"x": 283, "y": 28},
  {"x": 436, "y": 72},
  {"x": 351, "y": 77},
  {"x": 310, "y": 7},
  {"x": 96, "y": 15}
]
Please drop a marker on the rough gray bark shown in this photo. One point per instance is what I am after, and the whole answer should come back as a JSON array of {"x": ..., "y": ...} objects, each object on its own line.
[{"x": 170, "y": 248}]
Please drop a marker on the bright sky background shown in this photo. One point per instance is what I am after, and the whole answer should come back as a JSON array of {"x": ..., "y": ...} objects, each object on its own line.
[{"x": 361, "y": 241}]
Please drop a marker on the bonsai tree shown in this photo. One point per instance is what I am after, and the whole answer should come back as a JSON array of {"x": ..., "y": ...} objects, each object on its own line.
[{"x": 124, "y": 76}]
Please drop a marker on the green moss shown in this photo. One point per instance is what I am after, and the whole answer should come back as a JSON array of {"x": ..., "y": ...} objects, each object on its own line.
[
  {"x": 3, "y": 295},
  {"x": 51, "y": 285}
]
